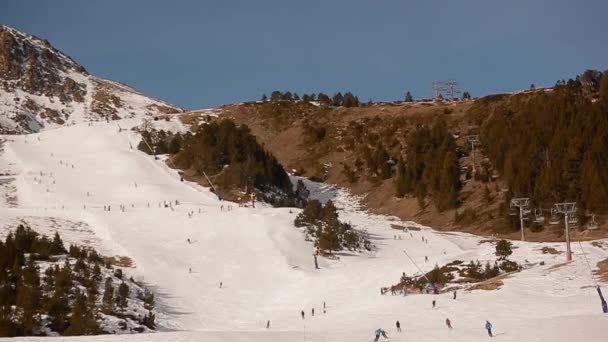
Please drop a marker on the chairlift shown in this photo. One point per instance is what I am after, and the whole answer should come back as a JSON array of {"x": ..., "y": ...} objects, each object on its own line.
[
  {"x": 538, "y": 216},
  {"x": 554, "y": 219},
  {"x": 572, "y": 219},
  {"x": 592, "y": 225}
]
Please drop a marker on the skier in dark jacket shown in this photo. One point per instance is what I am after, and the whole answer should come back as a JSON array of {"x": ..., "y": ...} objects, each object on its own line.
[
  {"x": 302, "y": 313},
  {"x": 398, "y": 325},
  {"x": 489, "y": 328}
]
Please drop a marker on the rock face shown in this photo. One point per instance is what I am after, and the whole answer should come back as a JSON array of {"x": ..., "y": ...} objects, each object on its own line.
[{"x": 41, "y": 87}]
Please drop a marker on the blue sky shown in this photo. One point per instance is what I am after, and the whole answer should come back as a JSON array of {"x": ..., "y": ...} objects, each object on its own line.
[{"x": 206, "y": 53}]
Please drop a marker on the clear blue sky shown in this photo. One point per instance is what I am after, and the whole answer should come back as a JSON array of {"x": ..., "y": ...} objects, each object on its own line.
[{"x": 205, "y": 53}]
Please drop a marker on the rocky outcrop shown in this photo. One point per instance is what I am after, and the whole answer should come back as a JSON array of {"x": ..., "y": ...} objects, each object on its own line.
[{"x": 41, "y": 87}]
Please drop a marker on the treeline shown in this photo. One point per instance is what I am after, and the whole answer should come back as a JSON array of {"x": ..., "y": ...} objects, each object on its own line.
[
  {"x": 231, "y": 156},
  {"x": 161, "y": 142},
  {"x": 551, "y": 146},
  {"x": 44, "y": 287},
  {"x": 327, "y": 231},
  {"x": 430, "y": 167},
  {"x": 337, "y": 100}
]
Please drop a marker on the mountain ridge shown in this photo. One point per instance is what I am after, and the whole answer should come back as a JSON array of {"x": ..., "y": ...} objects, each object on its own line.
[{"x": 42, "y": 87}]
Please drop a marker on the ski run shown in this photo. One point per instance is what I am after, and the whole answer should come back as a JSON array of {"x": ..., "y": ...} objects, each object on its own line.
[{"x": 62, "y": 179}]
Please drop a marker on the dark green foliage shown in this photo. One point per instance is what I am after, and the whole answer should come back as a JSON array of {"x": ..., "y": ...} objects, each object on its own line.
[
  {"x": 408, "y": 97},
  {"x": 430, "y": 167},
  {"x": 63, "y": 297},
  {"x": 323, "y": 225},
  {"x": 161, "y": 142},
  {"x": 551, "y": 146},
  {"x": 232, "y": 157},
  {"x": 149, "y": 320},
  {"x": 503, "y": 249},
  {"x": 108, "y": 297},
  {"x": 82, "y": 320},
  {"x": 509, "y": 266},
  {"x": 123, "y": 296},
  {"x": 466, "y": 95}
]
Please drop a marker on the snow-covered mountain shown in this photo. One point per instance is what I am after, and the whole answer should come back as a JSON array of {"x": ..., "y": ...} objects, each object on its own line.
[{"x": 41, "y": 87}]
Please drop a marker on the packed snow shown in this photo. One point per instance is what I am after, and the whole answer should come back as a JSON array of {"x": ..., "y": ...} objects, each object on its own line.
[{"x": 61, "y": 180}]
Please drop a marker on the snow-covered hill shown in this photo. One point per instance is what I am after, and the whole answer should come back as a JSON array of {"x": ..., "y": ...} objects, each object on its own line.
[
  {"x": 265, "y": 266},
  {"x": 41, "y": 87}
]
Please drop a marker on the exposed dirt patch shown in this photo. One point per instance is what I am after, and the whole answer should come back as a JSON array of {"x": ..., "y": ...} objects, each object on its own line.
[
  {"x": 602, "y": 271},
  {"x": 490, "y": 284},
  {"x": 120, "y": 261},
  {"x": 550, "y": 250}
]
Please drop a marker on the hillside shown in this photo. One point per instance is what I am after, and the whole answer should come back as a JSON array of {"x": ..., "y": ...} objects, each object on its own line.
[
  {"x": 264, "y": 262},
  {"x": 359, "y": 148},
  {"x": 41, "y": 87}
]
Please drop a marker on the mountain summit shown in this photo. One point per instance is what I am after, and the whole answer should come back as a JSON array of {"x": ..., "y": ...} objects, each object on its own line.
[{"x": 41, "y": 87}]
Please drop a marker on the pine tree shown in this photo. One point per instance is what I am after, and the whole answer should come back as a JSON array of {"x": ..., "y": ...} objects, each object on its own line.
[
  {"x": 503, "y": 249},
  {"x": 108, "y": 297},
  {"x": 123, "y": 296},
  {"x": 57, "y": 246},
  {"x": 329, "y": 239},
  {"x": 408, "y": 97},
  {"x": 148, "y": 300},
  {"x": 264, "y": 98},
  {"x": 28, "y": 296},
  {"x": 78, "y": 317},
  {"x": 149, "y": 320}
]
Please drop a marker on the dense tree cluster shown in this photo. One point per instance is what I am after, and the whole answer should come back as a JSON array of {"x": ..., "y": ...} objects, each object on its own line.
[
  {"x": 231, "y": 156},
  {"x": 329, "y": 233},
  {"x": 551, "y": 146},
  {"x": 430, "y": 167},
  {"x": 337, "y": 100},
  {"x": 43, "y": 286},
  {"x": 161, "y": 142}
]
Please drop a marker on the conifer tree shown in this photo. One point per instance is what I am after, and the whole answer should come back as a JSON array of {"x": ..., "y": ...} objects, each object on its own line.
[
  {"x": 78, "y": 317},
  {"x": 408, "y": 97},
  {"x": 108, "y": 297},
  {"x": 123, "y": 295}
]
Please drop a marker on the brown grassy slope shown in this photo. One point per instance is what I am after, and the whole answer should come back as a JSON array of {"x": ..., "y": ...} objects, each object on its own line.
[{"x": 284, "y": 128}]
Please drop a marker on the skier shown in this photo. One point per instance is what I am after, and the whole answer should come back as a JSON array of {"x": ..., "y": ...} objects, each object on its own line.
[
  {"x": 221, "y": 284},
  {"x": 379, "y": 332},
  {"x": 454, "y": 295},
  {"x": 434, "y": 302},
  {"x": 188, "y": 239},
  {"x": 489, "y": 328},
  {"x": 398, "y": 325},
  {"x": 324, "y": 305},
  {"x": 267, "y": 324},
  {"x": 313, "y": 311},
  {"x": 448, "y": 323},
  {"x": 302, "y": 313},
  {"x": 426, "y": 258},
  {"x": 189, "y": 269}
]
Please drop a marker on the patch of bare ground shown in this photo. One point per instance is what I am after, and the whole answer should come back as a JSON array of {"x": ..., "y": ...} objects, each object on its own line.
[
  {"x": 549, "y": 250},
  {"x": 490, "y": 284},
  {"x": 602, "y": 271},
  {"x": 557, "y": 266},
  {"x": 289, "y": 132},
  {"x": 119, "y": 260}
]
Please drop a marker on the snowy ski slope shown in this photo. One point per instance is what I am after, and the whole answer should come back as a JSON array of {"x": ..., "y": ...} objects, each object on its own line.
[{"x": 62, "y": 178}]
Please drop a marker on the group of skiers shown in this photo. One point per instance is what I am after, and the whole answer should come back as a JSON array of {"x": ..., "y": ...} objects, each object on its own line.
[
  {"x": 448, "y": 323},
  {"x": 312, "y": 311}
]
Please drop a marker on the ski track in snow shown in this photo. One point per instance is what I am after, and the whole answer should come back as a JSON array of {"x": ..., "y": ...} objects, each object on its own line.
[{"x": 262, "y": 260}]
